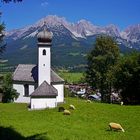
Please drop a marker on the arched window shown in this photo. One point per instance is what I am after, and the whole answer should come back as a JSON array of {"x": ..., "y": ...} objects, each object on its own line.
[
  {"x": 26, "y": 90},
  {"x": 44, "y": 52}
]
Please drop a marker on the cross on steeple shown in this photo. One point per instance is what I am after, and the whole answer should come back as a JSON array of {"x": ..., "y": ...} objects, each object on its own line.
[{"x": 45, "y": 26}]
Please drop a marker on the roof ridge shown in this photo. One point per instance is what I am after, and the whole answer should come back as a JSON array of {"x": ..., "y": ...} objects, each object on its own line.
[
  {"x": 45, "y": 89},
  {"x": 57, "y": 75},
  {"x": 29, "y": 64},
  {"x": 29, "y": 73},
  {"x": 15, "y": 71}
]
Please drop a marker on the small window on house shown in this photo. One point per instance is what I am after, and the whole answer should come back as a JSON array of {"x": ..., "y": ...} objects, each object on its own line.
[
  {"x": 44, "y": 52},
  {"x": 26, "y": 90}
]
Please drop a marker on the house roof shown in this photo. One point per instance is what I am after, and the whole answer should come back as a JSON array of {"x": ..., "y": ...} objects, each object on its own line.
[
  {"x": 29, "y": 73},
  {"x": 45, "y": 90}
]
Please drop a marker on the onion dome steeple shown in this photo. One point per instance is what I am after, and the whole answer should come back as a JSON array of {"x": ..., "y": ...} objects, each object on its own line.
[{"x": 45, "y": 36}]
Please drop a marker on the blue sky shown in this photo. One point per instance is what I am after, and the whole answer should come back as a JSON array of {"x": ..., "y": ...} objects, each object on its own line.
[{"x": 122, "y": 13}]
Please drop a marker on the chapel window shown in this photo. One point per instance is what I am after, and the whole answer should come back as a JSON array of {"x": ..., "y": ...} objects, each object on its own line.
[
  {"x": 44, "y": 52},
  {"x": 26, "y": 90}
]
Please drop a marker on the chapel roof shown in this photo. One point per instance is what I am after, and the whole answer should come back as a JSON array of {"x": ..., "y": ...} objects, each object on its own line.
[
  {"x": 29, "y": 73},
  {"x": 45, "y": 90}
]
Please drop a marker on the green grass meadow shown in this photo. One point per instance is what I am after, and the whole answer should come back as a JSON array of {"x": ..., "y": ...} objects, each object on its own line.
[
  {"x": 71, "y": 77},
  {"x": 88, "y": 122}
]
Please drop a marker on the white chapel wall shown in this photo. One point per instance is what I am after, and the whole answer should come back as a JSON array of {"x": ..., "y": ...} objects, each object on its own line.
[
  {"x": 42, "y": 103},
  {"x": 60, "y": 89},
  {"x": 20, "y": 90},
  {"x": 31, "y": 89}
]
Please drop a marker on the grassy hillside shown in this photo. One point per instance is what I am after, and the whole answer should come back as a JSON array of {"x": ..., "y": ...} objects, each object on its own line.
[
  {"x": 88, "y": 122},
  {"x": 71, "y": 77}
]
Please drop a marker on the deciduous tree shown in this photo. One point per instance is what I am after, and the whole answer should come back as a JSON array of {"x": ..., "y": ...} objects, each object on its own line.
[
  {"x": 127, "y": 78},
  {"x": 100, "y": 60}
]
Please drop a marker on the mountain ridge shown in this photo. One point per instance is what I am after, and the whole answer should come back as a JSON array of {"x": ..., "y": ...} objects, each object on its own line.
[
  {"x": 81, "y": 28},
  {"x": 71, "y": 41}
]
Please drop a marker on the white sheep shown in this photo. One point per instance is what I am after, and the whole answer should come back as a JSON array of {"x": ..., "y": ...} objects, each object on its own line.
[
  {"x": 121, "y": 102},
  {"x": 72, "y": 107},
  {"x": 88, "y": 101},
  {"x": 66, "y": 112},
  {"x": 115, "y": 126}
]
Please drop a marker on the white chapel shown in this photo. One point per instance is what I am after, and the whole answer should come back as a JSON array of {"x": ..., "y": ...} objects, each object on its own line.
[{"x": 38, "y": 84}]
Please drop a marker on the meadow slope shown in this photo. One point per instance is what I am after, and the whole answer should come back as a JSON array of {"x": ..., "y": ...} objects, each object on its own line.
[{"x": 88, "y": 122}]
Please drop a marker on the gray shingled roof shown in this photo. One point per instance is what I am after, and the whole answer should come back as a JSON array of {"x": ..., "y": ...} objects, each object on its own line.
[
  {"x": 29, "y": 73},
  {"x": 45, "y": 90}
]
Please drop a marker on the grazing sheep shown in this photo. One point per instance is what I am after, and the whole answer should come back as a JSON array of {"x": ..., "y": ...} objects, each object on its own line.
[
  {"x": 61, "y": 109},
  {"x": 72, "y": 107},
  {"x": 88, "y": 101},
  {"x": 66, "y": 112},
  {"x": 121, "y": 102},
  {"x": 115, "y": 126}
]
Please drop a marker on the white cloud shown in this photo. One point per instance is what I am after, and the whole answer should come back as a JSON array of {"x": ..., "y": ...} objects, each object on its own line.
[{"x": 44, "y": 4}]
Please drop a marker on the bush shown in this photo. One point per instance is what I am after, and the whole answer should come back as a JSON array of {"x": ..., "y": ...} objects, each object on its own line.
[{"x": 9, "y": 94}]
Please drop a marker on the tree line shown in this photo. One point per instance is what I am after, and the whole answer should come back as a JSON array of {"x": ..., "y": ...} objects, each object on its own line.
[{"x": 107, "y": 71}]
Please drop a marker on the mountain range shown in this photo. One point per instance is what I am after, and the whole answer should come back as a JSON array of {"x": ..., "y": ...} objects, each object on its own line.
[{"x": 71, "y": 41}]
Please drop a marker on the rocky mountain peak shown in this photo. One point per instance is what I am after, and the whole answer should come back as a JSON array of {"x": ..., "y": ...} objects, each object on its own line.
[
  {"x": 52, "y": 20},
  {"x": 132, "y": 33},
  {"x": 112, "y": 30},
  {"x": 82, "y": 29}
]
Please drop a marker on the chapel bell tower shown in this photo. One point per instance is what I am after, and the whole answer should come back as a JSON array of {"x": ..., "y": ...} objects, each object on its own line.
[{"x": 44, "y": 56}]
